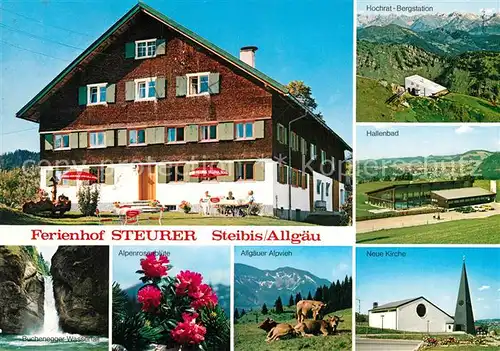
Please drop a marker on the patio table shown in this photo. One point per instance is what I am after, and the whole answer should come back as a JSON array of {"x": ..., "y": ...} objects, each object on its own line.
[
  {"x": 121, "y": 212},
  {"x": 236, "y": 207}
]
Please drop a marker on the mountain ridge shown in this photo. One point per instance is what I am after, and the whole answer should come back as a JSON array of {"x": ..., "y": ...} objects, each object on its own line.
[{"x": 254, "y": 286}]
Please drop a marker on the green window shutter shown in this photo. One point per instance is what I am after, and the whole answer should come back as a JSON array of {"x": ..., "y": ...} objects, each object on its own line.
[
  {"x": 160, "y": 87},
  {"x": 82, "y": 95},
  {"x": 259, "y": 168},
  {"x": 191, "y": 133},
  {"x": 111, "y": 93},
  {"x": 303, "y": 147},
  {"x": 225, "y": 131},
  {"x": 49, "y": 142},
  {"x": 129, "y": 90},
  {"x": 160, "y": 135},
  {"x": 259, "y": 129},
  {"x": 162, "y": 173},
  {"x": 110, "y": 138},
  {"x": 229, "y": 167},
  {"x": 49, "y": 173},
  {"x": 73, "y": 140},
  {"x": 213, "y": 83},
  {"x": 83, "y": 140},
  {"x": 160, "y": 46},
  {"x": 188, "y": 167},
  {"x": 150, "y": 135},
  {"x": 130, "y": 50},
  {"x": 122, "y": 137},
  {"x": 180, "y": 86},
  {"x": 109, "y": 176}
]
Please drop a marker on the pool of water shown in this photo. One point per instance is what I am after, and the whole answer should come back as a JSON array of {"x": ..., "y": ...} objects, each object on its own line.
[{"x": 61, "y": 342}]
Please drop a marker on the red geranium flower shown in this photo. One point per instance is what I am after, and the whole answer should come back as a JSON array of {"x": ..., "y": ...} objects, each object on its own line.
[
  {"x": 153, "y": 267},
  {"x": 150, "y": 297},
  {"x": 204, "y": 296},
  {"x": 188, "y": 331},
  {"x": 188, "y": 281}
]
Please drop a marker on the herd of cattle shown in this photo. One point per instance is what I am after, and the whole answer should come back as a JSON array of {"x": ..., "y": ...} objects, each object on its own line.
[{"x": 305, "y": 327}]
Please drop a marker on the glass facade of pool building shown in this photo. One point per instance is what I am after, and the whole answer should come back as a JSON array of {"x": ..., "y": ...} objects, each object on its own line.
[{"x": 411, "y": 195}]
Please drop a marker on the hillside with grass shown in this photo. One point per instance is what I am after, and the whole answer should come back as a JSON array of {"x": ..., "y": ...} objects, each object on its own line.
[
  {"x": 249, "y": 337},
  {"x": 467, "y": 65}
]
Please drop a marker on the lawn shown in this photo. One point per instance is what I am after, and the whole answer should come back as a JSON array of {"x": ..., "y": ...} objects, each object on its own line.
[
  {"x": 371, "y": 106},
  {"x": 361, "y": 197},
  {"x": 248, "y": 336},
  {"x": 11, "y": 216},
  {"x": 465, "y": 231},
  {"x": 463, "y": 348}
]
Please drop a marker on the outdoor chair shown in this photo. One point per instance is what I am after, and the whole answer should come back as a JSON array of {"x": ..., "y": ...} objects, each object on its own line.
[
  {"x": 158, "y": 218},
  {"x": 102, "y": 220},
  {"x": 132, "y": 217}
]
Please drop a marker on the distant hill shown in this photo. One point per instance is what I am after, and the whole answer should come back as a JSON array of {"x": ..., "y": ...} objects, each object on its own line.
[
  {"x": 454, "y": 50},
  {"x": 254, "y": 287},
  {"x": 490, "y": 168},
  {"x": 223, "y": 293},
  {"x": 471, "y": 155},
  {"x": 18, "y": 158}
]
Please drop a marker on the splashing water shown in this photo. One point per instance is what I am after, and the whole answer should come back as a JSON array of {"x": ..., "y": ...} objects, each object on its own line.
[{"x": 51, "y": 318}]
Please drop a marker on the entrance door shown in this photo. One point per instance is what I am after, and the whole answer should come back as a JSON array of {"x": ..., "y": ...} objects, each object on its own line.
[{"x": 147, "y": 182}]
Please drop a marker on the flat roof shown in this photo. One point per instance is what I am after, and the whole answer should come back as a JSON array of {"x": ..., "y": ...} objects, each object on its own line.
[
  {"x": 426, "y": 82},
  {"x": 463, "y": 193},
  {"x": 409, "y": 183}
]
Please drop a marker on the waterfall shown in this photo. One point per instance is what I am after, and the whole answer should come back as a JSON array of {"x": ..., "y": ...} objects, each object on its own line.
[{"x": 51, "y": 318}]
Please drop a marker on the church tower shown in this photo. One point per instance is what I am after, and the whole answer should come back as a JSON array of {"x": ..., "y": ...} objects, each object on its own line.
[{"x": 464, "y": 317}]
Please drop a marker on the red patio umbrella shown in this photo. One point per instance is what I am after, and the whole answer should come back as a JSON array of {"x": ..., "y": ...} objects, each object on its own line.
[
  {"x": 208, "y": 172},
  {"x": 78, "y": 175}
]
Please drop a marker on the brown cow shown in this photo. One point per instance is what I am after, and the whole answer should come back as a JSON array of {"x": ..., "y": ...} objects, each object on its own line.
[
  {"x": 280, "y": 330},
  {"x": 314, "y": 327},
  {"x": 305, "y": 306},
  {"x": 268, "y": 324}
]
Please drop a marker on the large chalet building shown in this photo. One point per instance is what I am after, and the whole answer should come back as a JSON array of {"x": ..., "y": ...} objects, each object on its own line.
[{"x": 149, "y": 101}]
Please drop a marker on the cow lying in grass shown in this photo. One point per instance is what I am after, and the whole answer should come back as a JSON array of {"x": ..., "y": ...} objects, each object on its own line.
[
  {"x": 316, "y": 327},
  {"x": 276, "y": 330}
]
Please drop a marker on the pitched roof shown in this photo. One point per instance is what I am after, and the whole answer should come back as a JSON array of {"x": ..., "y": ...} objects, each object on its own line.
[
  {"x": 400, "y": 303},
  {"x": 141, "y": 7},
  {"x": 463, "y": 193}
]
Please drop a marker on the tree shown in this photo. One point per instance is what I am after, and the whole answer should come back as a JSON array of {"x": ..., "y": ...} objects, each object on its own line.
[
  {"x": 318, "y": 295},
  {"x": 303, "y": 93},
  {"x": 264, "y": 309},
  {"x": 243, "y": 312},
  {"x": 298, "y": 297},
  {"x": 291, "y": 302},
  {"x": 236, "y": 314},
  {"x": 279, "y": 305},
  {"x": 309, "y": 296}
]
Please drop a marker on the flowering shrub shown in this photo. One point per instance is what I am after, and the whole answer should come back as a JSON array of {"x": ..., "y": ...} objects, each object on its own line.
[
  {"x": 182, "y": 308},
  {"x": 430, "y": 341},
  {"x": 185, "y": 206}
]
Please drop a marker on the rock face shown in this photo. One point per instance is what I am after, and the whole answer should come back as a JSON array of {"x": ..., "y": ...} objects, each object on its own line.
[
  {"x": 21, "y": 292},
  {"x": 80, "y": 276}
]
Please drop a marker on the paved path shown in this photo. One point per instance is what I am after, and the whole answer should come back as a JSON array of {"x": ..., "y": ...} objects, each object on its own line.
[
  {"x": 363, "y": 344},
  {"x": 410, "y": 221}
]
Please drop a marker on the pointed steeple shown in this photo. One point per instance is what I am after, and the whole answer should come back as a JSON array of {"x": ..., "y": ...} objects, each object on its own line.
[{"x": 464, "y": 317}]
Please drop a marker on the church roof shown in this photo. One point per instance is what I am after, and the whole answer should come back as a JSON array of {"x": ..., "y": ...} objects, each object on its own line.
[{"x": 396, "y": 304}]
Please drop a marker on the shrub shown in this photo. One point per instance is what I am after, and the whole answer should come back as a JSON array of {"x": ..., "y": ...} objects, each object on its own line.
[
  {"x": 179, "y": 311},
  {"x": 88, "y": 199},
  {"x": 185, "y": 206},
  {"x": 19, "y": 185}
]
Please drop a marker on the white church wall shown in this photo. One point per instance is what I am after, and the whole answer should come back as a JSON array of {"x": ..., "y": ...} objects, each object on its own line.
[
  {"x": 385, "y": 320},
  {"x": 433, "y": 321}
]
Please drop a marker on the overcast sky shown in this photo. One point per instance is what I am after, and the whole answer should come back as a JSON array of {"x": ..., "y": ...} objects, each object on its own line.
[
  {"x": 309, "y": 41},
  {"x": 430, "y": 272}
]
